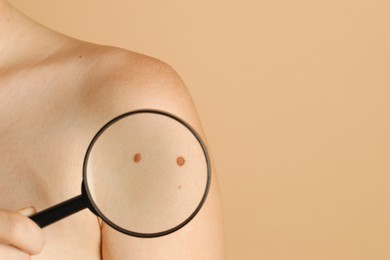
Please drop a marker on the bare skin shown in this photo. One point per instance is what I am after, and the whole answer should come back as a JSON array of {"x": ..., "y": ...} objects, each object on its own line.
[{"x": 56, "y": 92}]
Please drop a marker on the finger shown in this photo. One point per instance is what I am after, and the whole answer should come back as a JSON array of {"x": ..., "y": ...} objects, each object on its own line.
[
  {"x": 21, "y": 232},
  {"x": 10, "y": 252},
  {"x": 28, "y": 211}
]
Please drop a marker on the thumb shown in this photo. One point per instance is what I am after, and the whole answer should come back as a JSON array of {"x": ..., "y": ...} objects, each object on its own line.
[{"x": 28, "y": 211}]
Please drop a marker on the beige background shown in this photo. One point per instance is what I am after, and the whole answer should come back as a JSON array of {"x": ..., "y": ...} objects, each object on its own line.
[{"x": 294, "y": 98}]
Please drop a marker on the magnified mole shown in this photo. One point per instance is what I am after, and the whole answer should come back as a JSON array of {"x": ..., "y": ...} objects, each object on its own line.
[
  {"x": 180, "y": 160},
  {"x": 137, "y": 157}
]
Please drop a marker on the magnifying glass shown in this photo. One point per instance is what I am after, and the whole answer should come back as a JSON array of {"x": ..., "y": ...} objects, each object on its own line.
[{"x": 146, "y": 173}]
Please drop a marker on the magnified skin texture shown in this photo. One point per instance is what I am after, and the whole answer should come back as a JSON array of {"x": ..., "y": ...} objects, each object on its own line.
[
  {"x": 142, "y": 197},
  {"x": 56, "y": 92}
]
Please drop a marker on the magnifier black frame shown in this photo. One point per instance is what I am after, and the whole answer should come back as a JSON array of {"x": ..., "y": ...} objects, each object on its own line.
[{"x": 85, "y": 200}]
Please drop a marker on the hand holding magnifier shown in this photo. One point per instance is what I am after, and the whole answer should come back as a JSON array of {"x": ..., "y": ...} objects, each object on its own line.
[{"x": 146, "y": 173}]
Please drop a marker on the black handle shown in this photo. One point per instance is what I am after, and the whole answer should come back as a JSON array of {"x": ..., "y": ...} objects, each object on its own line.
[{"x": 59, "y": 211}]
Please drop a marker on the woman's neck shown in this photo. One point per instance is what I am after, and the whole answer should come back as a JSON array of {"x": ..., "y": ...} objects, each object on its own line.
[{"x": 22, "y": 40}]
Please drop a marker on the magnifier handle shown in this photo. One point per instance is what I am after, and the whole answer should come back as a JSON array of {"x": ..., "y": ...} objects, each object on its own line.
[{"x": 59, "y": 211}]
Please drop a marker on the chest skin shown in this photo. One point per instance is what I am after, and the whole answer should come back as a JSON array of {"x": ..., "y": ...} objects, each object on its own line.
[{"x": 42, "y": 147}]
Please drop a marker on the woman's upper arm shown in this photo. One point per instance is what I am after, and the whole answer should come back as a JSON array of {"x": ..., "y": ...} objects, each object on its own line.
[{"x": 150, "y": 83}]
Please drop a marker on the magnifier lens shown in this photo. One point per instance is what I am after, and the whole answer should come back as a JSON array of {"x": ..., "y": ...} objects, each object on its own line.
[{"x": 146, "y": 173}]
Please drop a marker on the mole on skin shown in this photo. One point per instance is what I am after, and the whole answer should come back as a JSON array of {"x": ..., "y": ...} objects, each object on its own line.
[
  {"x": 180, "y": 161},
  {"x": 137, "y": 157}
]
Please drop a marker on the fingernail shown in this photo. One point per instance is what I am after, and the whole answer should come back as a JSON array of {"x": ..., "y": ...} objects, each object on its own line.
[{"x": 28, "y": 211}]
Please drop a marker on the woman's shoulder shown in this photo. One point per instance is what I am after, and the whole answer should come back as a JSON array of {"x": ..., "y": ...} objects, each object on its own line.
[
  {"x": 130, "y": 81},
  {"x": 122, "y": 81}
]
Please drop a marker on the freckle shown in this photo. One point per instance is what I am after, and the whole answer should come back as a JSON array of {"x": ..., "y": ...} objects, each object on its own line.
[
  {"x": 137, "y": 157},
  {"x": 179, "y": 187},
  {"x": 80, "y": 56},
  {"x": 180, "y": 161}
]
